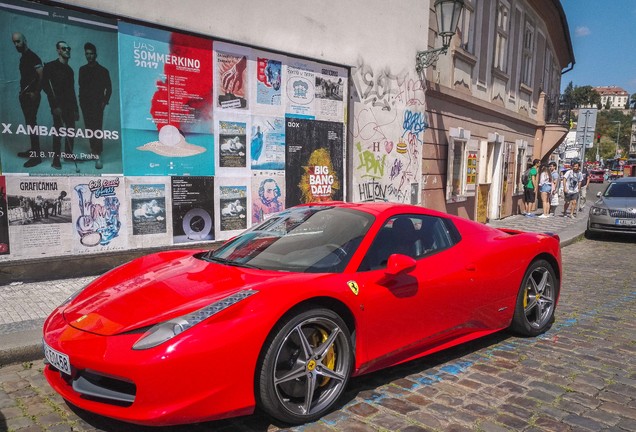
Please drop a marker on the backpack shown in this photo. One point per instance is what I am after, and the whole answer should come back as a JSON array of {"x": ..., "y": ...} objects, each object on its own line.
[{"x": 525, "y": 177}]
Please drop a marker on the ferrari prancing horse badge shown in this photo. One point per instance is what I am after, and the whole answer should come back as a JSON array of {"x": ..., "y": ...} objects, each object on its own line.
[{"x": 354, "y": 287}]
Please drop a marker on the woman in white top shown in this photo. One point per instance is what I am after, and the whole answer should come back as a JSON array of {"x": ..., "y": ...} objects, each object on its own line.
[{"x": 545, "y": 187}]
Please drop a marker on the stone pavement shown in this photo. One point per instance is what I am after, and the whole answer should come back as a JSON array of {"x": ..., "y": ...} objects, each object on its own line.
[
  {"x": 578, "y": 376},
  {"x": 24, "y": 306}
]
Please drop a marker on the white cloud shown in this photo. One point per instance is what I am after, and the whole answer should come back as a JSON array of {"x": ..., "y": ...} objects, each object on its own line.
[{"x": 582, "y": 31}]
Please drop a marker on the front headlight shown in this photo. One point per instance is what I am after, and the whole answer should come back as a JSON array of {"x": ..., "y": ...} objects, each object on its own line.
[
  {"x": 598, "y": 211},
  {"x": 165, "y": 331}
]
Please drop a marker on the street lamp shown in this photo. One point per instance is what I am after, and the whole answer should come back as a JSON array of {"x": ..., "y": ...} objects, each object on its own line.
[
  {"x": 447, "y": 12},
  {"x": 617, "y": 136}
]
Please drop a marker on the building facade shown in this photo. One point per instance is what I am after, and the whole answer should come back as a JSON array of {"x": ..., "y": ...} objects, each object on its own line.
[
  {"x": 613, "y": 97},
  {"x": 212, "y": 102}
]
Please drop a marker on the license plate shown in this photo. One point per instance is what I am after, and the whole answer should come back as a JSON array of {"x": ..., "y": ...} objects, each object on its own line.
[
  {"x": 628, "y": 222},
  {"x": 57, "y": 359}
]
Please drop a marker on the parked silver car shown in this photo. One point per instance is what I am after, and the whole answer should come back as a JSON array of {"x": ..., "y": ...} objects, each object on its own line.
[{"x": 615, "y": 209}]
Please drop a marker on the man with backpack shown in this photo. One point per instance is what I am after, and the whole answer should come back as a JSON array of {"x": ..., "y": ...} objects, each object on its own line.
[{"x": 529, "y": 180}]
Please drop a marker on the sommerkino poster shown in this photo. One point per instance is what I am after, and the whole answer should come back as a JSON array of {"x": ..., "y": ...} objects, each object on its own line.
[
  {"x": 166, "y": 102},
  {"x": 59, "y": 92},
  {"x": 40, "y": 219}
]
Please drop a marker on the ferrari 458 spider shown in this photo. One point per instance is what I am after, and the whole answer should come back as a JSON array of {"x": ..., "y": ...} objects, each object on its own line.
[{"x": 281, "y": 316}]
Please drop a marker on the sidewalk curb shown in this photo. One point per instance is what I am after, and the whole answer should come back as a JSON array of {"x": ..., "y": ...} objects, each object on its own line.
[{"x": 22, "y": 346}]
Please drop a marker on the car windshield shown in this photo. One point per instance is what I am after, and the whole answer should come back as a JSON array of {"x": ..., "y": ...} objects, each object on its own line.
[
  {"x": 621, "y": 190},
  {"x": 311, "y": 239}
]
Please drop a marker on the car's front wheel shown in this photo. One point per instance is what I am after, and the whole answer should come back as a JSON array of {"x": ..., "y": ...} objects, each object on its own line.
[
  {"x": 305, "y": 367},
  {"x": 536, "y": 300}
]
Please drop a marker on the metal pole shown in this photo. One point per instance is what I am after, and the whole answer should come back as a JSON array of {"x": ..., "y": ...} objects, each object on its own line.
[{"x": 617, "y": 138}]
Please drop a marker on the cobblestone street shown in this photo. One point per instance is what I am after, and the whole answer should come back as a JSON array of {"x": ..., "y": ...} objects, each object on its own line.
[{"x": 580, "y": 376}]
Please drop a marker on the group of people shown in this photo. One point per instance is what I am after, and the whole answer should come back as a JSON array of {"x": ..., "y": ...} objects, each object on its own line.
[
  {"x": 57, "y": 79},
  {"x": 547, "y": 181}
]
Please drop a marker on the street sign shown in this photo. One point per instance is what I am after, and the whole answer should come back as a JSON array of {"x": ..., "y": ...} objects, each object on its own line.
[{"x": 585, "y": 127}]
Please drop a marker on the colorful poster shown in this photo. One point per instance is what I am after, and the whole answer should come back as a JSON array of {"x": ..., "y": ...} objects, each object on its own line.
[
  {"x": 59, "y": 92},
  {"x": 269, "y": 74},
  {"x": 268, "y": 194},
  {"x": 150, "y": 218},
  {"x": 166, "y": 102},
  {"x": 233, "y": 205},
  {"x": 314, "y": 159},
  {"x": 99, "y": 206},
  {"x": 39, "y": 213},
  {"x": 192, "y": 209},
  {"x": 232, "y": 144},
  {"x": 331, "y": 84},
  {"x": 300, "y": 89},
  {"x": 5, "y": 248},
  {"x": 267, "y": 146},
  {"x": 231, "y": 77}
]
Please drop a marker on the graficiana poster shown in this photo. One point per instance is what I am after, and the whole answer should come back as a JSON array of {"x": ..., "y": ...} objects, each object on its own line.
[{"x": 39, "y": 216}]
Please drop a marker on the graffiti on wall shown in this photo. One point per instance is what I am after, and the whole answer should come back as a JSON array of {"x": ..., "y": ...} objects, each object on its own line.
[{"x": 387, "y": 131}]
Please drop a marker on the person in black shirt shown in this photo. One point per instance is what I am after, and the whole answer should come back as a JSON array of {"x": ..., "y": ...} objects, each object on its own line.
[
  {"x": 94, "y": 93},
  {"x": 58, "y": 82},
  {"x": 29, "y": 96}
]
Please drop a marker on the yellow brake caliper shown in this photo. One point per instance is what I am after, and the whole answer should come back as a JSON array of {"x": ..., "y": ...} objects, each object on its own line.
[{"x": 318, "y": 338}]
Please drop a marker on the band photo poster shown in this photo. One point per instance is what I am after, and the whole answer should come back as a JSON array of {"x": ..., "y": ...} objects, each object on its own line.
[{"x": 61, "y": 109}]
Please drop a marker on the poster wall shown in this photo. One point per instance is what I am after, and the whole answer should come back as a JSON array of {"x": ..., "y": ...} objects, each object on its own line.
[
  {"x": 118, "y": 135},
  {"x": 166, "y": 102},
  {"x": 60, "y": 92}
]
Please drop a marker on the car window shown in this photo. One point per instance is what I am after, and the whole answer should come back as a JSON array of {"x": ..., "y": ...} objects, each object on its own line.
[
  {"x": 416, "y": 236},
  {"x": 621, "y": 190}
]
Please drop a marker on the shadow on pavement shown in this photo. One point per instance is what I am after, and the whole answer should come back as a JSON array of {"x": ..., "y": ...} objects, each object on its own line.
[{"x": 363, "y": 387}]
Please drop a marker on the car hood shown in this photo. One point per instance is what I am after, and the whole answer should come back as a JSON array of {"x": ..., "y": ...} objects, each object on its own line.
[
  {"x": 617, "y": 203},
  {"x": 157, "y": 288}
]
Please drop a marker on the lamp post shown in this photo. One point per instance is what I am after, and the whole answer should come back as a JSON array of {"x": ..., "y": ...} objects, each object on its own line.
[
  {"x": 617, "y": 136},
  {"x": 448, "y": 13}
]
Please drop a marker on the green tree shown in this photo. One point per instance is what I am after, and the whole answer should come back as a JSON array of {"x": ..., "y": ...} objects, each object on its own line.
[
  {"x": 585, "y": 96},
  {"x": 632, "y": 101}
]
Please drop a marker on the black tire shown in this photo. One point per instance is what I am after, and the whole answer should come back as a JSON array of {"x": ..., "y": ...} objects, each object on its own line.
[
  {"x": 536, "y": 300},
  {"x": 305, "y": 366}
]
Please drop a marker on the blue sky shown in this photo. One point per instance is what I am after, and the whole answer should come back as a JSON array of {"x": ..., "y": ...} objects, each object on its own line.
[{"x": 603, "y": 34}]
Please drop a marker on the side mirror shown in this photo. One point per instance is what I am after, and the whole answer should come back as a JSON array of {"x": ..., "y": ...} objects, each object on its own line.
[
  {"x": 598, "y": 194},
  {"x": 399, "y": 263}
]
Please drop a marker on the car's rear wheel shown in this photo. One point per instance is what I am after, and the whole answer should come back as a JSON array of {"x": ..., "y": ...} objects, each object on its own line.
[
  {"x": 305, "y": 367},
  {"x": 536, "y": 301}
]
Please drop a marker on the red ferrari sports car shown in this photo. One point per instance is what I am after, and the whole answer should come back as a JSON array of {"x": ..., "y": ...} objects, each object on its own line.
[{"x": 281, "y": 316}]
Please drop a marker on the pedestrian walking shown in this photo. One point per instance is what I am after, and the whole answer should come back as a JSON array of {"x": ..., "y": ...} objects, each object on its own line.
[
  {"x": 572, "y": 187},
  {"x": 545, "y": 189},
  {"x": 556, "y": 186}
]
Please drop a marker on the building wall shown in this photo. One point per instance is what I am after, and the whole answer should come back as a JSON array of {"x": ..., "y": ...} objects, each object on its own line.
[{"x": 371, "y": 44}]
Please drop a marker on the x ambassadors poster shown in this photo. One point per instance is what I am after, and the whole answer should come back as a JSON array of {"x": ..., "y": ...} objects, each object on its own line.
[
  {"x": 61, "y": 113},
  {"x": 313, "y": 161}
]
